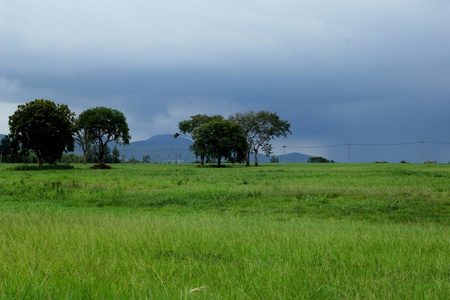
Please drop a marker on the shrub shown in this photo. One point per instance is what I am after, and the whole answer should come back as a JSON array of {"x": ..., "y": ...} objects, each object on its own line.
[{"x": 318, "y": 159}]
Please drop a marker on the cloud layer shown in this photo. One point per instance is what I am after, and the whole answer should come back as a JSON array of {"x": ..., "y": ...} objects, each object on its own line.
[{"x": 340, "y": 71}]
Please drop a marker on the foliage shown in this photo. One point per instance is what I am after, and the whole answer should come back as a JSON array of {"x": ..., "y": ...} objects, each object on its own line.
[
  {"x": 104, "y": 125},
  {"x": 5, "y": 146},
  {"x": 43, "y": 127},
  {"x": 274, "y": 159},
  {"x": 220, "y": 139},
  {"x": 318, "y": 159},
  {"x": 69, "y": 158},
  {"x": 5, "y": 149},
  {"x": 260, "y": 128},
  {"x": 133, "y": 160},
  {"x": 187, "y": 128}
]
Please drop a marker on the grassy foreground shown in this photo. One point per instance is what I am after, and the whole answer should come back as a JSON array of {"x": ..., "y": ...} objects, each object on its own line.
[{"x": 180, "y": 232}]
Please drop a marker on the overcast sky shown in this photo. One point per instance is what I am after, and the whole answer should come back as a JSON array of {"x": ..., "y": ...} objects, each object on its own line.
[{"x": 342, "y": 72}]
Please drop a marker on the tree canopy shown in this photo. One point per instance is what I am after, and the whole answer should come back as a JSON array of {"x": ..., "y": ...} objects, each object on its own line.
[
  {"x": 187, "y": 128},
  {"x": 220, "y": 139},
  {"x": 319, "y": 159},
  {"x": 103, "y": 125},
  {"x": 260, "y": 128},
  {"x": 43, "y": 127}
]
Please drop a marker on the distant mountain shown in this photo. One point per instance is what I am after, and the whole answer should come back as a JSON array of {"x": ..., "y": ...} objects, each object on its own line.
[
  {"x": 160, "y": 148},
  {"x": 295, "y": 157},
  {"x": 164, "y": 147},
  {"x": 163, "y": 139}
]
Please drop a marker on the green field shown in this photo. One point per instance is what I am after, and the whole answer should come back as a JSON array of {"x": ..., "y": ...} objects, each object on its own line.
[{"x": 278, "y": 231}]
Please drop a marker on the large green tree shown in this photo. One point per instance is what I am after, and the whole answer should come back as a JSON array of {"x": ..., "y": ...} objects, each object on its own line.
[
  {"x": 187, "y": 128},
  {"x": 44, "y": 128},
  {"x": 220, "y": 139},
  {"x": 260, "y": 128},
  {"x": 103, "y": 125}
]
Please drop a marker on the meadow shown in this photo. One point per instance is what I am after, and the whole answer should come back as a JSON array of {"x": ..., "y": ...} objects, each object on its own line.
[{"x": 277, "y": 231}]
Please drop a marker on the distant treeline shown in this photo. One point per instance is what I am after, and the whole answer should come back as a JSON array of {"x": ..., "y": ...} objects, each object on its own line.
[{"x": 31, "y": 158}]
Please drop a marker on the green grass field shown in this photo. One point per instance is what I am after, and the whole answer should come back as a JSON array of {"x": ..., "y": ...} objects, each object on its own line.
[{"x": 278, "y": 231}]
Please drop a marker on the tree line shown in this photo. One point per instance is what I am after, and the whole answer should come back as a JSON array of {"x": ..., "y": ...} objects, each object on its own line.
[
  {"x": 44, "y": 130},
  {"x": 111, "y": 156},
  {"x": 47, "y": 130}
]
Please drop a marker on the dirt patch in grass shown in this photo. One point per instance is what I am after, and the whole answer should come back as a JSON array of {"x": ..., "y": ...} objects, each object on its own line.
[{"x": 101, "y": 167}]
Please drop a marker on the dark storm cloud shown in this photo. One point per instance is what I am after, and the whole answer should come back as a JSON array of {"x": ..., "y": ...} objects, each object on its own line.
[{"x": 341, "y": 72}]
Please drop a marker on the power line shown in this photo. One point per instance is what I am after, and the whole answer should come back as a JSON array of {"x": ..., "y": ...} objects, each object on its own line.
[
  {"x": 312, "y": 147},
  {"x": 363, "y": 144},
  {"x": 384, "y": 145}
]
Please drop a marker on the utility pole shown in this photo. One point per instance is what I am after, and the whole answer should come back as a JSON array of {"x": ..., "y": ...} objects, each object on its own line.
[
  {"x": 349, "y": 145},
  {"x": 284, "y": 152},
  {"x": 422, "y": 142}
]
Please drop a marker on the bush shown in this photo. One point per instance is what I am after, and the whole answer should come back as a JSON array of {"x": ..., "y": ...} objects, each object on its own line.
[{"x": 318, "y": 159}]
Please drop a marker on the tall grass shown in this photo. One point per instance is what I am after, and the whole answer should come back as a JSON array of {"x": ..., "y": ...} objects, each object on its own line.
[
  {"x": 273, "y": 232},
  {"x": 90, "y": 254}
]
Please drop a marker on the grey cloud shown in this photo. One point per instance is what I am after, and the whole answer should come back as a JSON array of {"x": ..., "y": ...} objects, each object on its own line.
[{"x": 348, "y": 71}]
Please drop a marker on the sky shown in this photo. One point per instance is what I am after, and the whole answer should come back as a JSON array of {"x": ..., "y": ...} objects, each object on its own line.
[{"x": 365, "y": 78}]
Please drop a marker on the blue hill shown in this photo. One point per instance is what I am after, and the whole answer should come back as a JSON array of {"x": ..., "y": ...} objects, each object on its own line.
[{"x": 163, "y": 139}]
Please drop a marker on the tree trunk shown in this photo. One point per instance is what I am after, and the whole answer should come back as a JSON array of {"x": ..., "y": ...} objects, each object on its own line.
[
  {"x": 202, "y": 159},
  {"x": 101, "y": 153},
  {"x": 39, "y": 160},
  {"x": 256, "y": 157},
  {"x": 247, "y": 158},
  {"x": 218, "y": 162}
]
